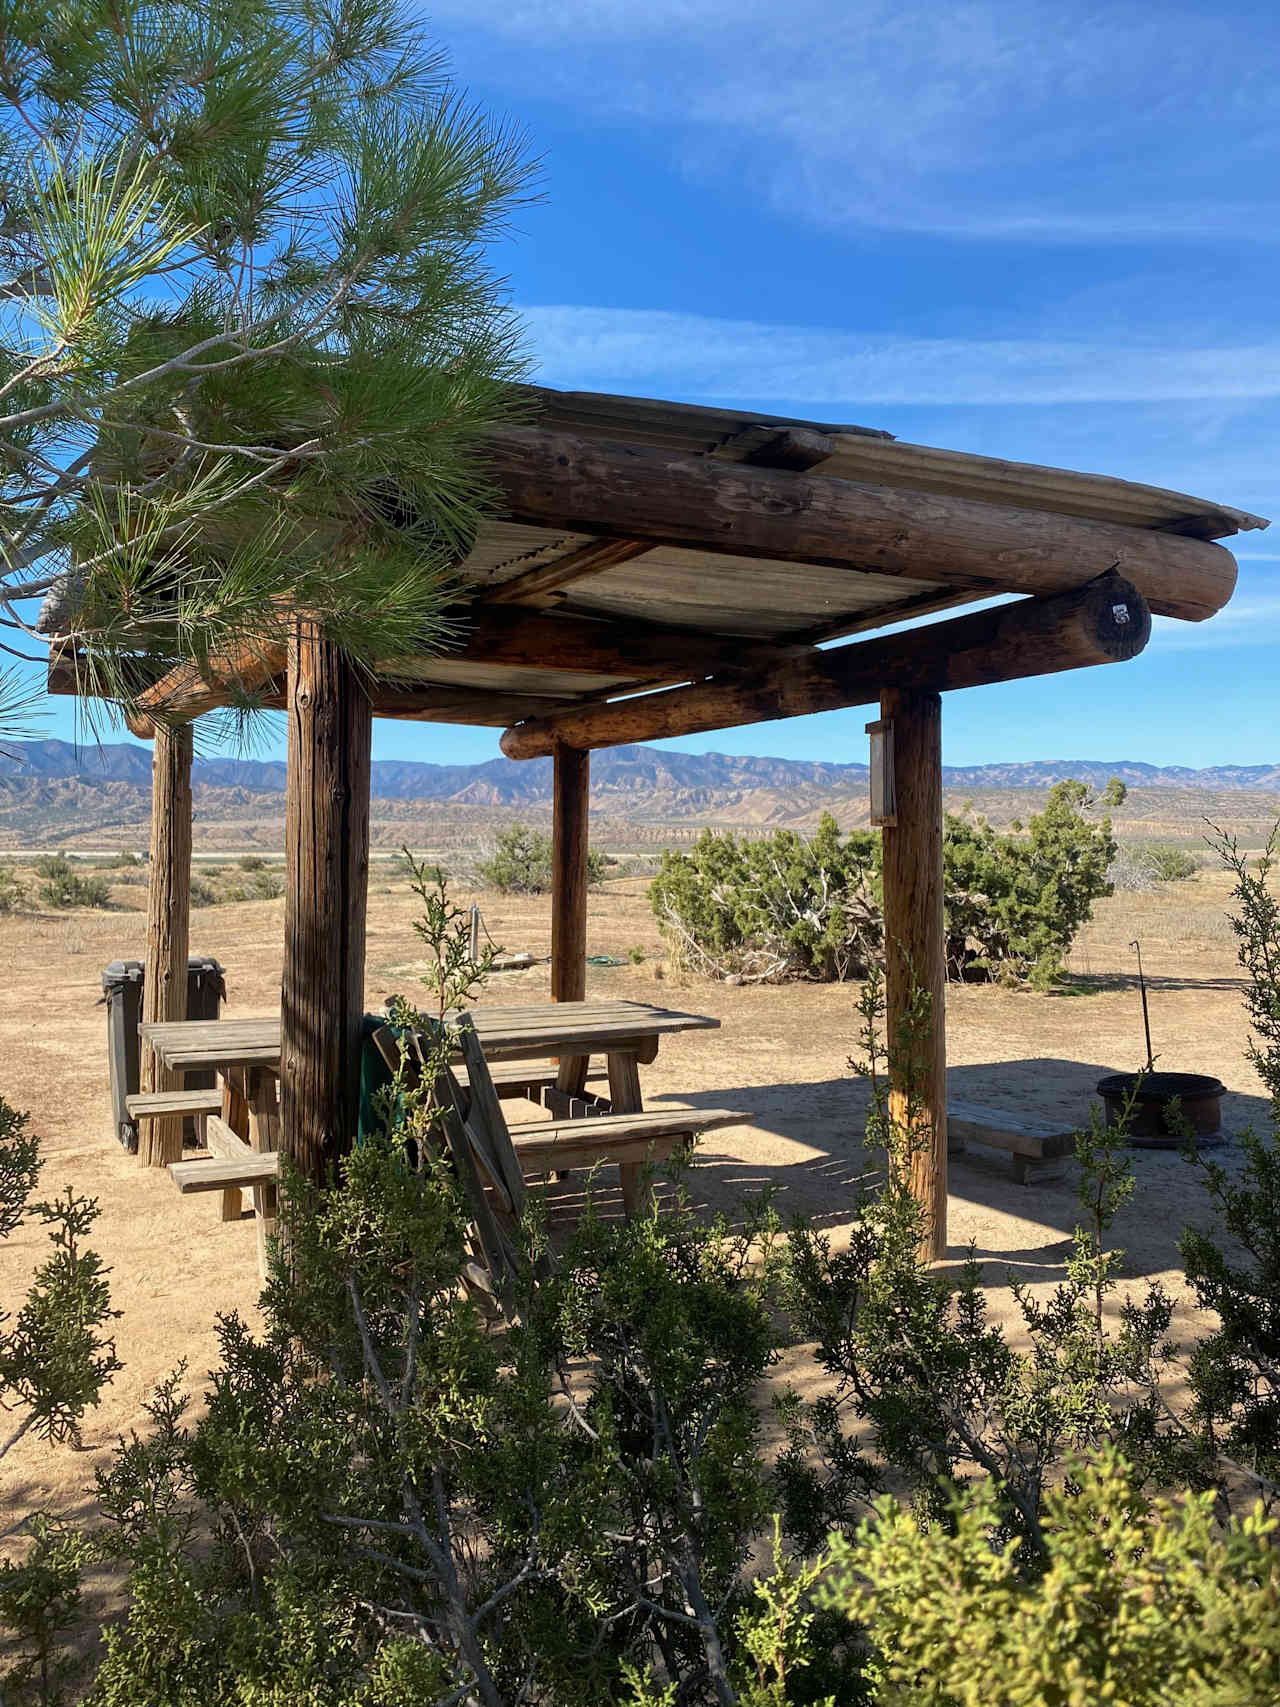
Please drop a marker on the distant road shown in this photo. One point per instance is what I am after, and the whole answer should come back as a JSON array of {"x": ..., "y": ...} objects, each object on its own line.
[{"x": 141, "y": 853}]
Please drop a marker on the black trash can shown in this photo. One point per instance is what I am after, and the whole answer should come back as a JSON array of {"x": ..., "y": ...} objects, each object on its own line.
[{"x": 122, "y": 993}]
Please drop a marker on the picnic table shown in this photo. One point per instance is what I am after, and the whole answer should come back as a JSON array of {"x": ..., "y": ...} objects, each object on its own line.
[
  {"x": 507, "y": 1032},
  {"x": 246, "y": 1055}
]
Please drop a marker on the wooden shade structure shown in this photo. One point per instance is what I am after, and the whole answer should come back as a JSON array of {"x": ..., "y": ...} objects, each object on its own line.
[{"x": 663, "y": 569}]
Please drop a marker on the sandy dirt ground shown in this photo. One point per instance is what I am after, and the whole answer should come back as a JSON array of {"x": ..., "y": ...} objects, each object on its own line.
[{"x": 780, "y": 1055}]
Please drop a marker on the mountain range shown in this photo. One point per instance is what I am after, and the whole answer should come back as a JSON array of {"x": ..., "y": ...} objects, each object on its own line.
[{"x": 625, "y": 774}]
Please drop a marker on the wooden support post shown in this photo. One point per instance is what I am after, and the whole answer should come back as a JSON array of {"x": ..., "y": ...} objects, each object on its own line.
[
  {"x": 571, "y": 789},
  {"x": 264, "y": 1134},
  {"x": 235, "y": 1112},
  {"x": 327, "y": 880},
  {"x": 164, "y": 990},
  {"x": 625, "y": 1098},
  {"x": 915, "y": 949}
]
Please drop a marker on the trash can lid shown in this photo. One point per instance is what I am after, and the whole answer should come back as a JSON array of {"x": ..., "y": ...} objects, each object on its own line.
[{"x": 120, "y": 973}]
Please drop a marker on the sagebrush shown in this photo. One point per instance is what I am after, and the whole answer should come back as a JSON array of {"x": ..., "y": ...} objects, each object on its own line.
[
  {"x": 520, "y": 863},
  {"x": 62, "y": 886},
  {"x": 790, "y": 906}
]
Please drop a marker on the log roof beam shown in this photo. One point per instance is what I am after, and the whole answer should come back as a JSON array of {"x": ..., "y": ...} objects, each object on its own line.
[
  {"x": 187, "y": 691},
  {"x": 764, "y": 446},
  {"x": 603, "y": 646},
  {"x": 1104, "y": 622},
  {"x": 488, "y": 634},
  {"x": 701, "y": 503}
]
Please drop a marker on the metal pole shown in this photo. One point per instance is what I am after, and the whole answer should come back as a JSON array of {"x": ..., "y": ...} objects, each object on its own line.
[
  {"x": 475, "y": 931},
  {"x": 1146, "y": 1017}
]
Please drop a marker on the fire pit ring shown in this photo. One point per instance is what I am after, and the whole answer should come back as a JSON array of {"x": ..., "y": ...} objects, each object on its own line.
[{"x": 1199, "y": 1098}]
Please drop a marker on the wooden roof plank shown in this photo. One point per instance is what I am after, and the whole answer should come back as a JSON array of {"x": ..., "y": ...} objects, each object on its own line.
[
  {"x": 1030, "y": 486},
  {"x": 549, "y": 578}
]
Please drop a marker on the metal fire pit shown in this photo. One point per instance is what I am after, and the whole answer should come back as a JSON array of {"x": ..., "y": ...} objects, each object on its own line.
[{"x": 1199, "y": 1099}]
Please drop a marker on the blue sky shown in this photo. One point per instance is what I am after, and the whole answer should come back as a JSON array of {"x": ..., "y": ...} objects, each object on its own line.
[{"x": 1046, "y": 231}]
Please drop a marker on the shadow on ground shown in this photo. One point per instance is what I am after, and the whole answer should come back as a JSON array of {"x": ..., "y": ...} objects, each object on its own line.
[
  {"x": 1096, "y": 983},
  {"x": 1018, "y": 1232}
]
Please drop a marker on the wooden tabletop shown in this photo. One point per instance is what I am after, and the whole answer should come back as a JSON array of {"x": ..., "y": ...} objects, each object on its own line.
[{"x": 507, "y": 1032}]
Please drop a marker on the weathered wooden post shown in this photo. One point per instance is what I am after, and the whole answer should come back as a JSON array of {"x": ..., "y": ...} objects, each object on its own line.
[
  {"x": 915, "y": 948},
  {"x": 164, "y": 989},
  {"x": 571, "y": 789},
  {"x": 327, "y": 880}
]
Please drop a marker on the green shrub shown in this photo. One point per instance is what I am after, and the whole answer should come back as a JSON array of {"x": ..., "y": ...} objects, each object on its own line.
[
  {"x": 55, "y": 1359},
  {"x": 127, "y": 869},
  {"x": 918, "y": 1372},
  {"x": 521, "y": 863},
  {"x": 1234, "y": 1266},
  {"x": 13, "y": 891},
  {"x": 264, "y": 885},
  {"x": 220, "y": 888},
  {"x": 787, "y": 907},
  {"x": 1015, "y": 902},
  {"x": 1169, "y": 864},
  {"x": 381, "y": 1487},
  {"x": 1142, "y": 1603},
  {"x": 64, "y": 887}
]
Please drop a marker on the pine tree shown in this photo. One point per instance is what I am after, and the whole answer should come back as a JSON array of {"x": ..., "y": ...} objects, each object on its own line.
[{"x": 248, "y": 336}]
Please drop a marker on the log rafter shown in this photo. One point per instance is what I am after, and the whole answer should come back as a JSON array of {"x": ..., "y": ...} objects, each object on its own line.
[
  {"x": 1104, "y": 622},
  {"x": 489, "y": 634},
  {"x": 763, "y": 446}
]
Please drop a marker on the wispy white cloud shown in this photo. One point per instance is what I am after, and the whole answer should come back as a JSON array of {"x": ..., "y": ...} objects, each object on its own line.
[
  {"x": 972, "y": 118},
  {"x": 1250, "y": 621},
  {"x": 699, "y": 356}
]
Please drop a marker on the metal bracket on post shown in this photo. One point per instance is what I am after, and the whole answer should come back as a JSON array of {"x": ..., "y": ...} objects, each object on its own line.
[{"x": 884, "y": 808}]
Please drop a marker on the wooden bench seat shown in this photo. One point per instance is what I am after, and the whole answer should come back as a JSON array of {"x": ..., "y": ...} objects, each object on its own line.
[
  {"x": 146, "y": 1105},
  {"x": 557, "y": 1146},
  {"x": 1027, "y": 1139},
  {"x": 217, "y": 1173},
  {"x": 232, "y": 1167},
  {"x": 561, "y": 1146}
]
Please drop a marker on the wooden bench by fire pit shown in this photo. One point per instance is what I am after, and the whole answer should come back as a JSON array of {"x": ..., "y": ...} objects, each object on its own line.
[{"x": 1030, "y": 1142}]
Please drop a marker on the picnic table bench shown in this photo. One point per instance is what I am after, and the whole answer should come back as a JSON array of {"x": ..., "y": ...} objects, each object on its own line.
[{"x": 510, "y": 1060}]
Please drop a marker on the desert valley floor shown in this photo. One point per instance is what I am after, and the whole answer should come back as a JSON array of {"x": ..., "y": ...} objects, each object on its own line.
[{"x": 780, "y": 1053}]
